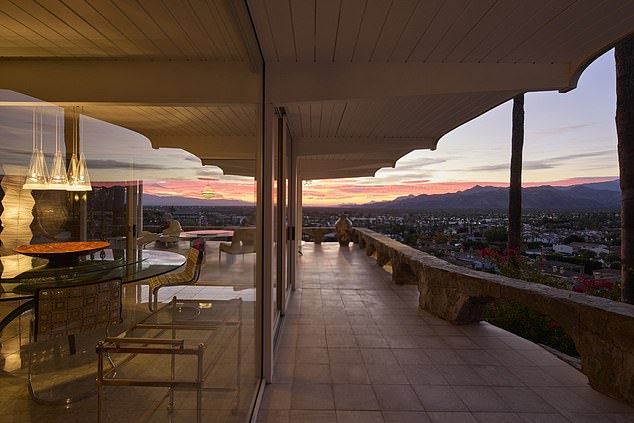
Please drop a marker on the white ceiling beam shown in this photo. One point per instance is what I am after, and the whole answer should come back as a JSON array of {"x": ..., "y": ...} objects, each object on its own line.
[
  {"x": 337, "y": 173},
  {"x": 233, "y": 167},
  {"x": 319, "y": 146},
  {"x": 298, "y": 82},
  {"x": 368, "y": 157},
  {"x": 186, "y": 83},
  {"x": 310, "y": 168},
  {"x": 336, "y": 163},
  {"x": 210, "y": 147}
]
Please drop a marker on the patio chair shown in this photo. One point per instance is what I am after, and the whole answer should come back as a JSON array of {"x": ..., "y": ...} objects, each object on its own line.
[
  {"x": 147, "y": 238},
  {"x": 243, "y": 242},
  {"x": 171, "y": 234},
  {"x": 189, "y": 275},
  {"x": 62, "y": 313}
]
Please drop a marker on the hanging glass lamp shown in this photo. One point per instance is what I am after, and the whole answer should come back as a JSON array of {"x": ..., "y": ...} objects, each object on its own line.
[
  {"x": 78, "y": 177},
  {"x": 58, "y": 179},
  {"x": 72, "y": 170},
  {"x": 37, "y": 174},
  {"x": 207, "y": 192},
  {"x": 82, "y": 180}
]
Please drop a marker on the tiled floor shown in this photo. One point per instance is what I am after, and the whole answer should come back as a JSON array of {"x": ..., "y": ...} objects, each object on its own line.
[{"x": 355, "y": 348}]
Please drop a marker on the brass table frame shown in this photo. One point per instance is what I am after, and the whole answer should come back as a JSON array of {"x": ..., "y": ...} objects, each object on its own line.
[{"x": 166, "y": 346}]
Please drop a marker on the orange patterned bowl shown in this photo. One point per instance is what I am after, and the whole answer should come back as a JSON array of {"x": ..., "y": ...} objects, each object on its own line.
[{"x": 62, "y": 253}]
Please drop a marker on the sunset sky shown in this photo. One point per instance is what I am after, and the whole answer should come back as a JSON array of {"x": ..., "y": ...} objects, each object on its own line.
[{"x": 570, "y": 138}]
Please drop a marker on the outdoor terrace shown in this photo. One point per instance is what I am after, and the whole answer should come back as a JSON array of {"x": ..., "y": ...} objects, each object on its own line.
[{"x": 355, "y": 347}]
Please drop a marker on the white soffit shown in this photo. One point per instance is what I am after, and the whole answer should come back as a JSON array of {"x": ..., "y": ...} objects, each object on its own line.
[
  {"x": 221, "y": 132},
  {"x": 414, "y": 70},
  {"x": 177, "y": 71}
]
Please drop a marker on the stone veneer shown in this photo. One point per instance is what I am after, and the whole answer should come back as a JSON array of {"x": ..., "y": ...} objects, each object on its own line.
[{"x": 603, "y": 330}]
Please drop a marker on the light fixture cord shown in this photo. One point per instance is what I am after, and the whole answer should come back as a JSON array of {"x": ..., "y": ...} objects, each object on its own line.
[
  {"x": 56, "y": 131},
  {"x": 81, "y": 128},
  {"x": 34, "y": 129},
  {"x": 41, "y": 144},
  {"x": 77, "y": 131},
  {"x": 74, "y": 128}
]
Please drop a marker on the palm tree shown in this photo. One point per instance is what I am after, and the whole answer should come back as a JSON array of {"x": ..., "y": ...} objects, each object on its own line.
[
  {"x": 515, "y": 191},
  {"x": 624, "y": 55}
]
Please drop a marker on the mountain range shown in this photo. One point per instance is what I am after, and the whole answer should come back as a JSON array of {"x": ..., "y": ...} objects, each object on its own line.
[
  {"x": 598, "y": 195},
  {"x": 157, "y": 200}
]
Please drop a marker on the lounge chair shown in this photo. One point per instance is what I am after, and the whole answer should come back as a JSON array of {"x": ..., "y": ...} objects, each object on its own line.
[
  {"x": 243, "y": 242},
  {"x": 171, "y": 234}
]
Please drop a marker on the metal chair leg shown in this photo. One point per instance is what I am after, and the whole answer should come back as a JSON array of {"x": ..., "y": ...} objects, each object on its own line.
[{"x": 100, "y": 377}]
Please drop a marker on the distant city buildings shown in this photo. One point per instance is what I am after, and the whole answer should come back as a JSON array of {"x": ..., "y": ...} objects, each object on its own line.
[{"x": 562, "y": 245}]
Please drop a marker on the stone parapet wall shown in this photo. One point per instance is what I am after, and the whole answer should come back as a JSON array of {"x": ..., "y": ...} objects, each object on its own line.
[
  {"x": 603, "y": 330},
  {"x": 317, "y": 234}
]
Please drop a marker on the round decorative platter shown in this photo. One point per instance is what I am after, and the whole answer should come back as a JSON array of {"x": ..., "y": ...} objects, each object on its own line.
[{"x": 62, "y": 253}]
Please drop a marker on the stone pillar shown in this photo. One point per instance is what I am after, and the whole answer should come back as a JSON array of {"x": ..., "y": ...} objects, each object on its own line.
[{"x": 624, "y": 55}]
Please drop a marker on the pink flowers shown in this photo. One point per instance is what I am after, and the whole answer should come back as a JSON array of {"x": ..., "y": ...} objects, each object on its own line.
[
  {"x": 499, "y": 258},
  {"x": 597, "y": 287},
  {"x": 588, "y": 285}
]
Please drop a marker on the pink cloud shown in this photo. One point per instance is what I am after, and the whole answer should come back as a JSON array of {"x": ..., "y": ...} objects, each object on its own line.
[
  {"x": 336, "y": 191},
  {"x": 235, "y": 190},
  {"x": 333, "y": 192}
]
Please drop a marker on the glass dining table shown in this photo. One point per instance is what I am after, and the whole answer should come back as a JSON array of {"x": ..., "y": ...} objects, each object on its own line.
[
  {"x": 64, "y": 371},
  {"x": 21, "y": 275}
]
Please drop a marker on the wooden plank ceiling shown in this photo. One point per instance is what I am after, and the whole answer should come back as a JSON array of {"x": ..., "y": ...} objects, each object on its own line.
[
  {"x": 348, "y": 37},
  {"x": 359, "y": 79},
  {"x": 143, "y": 29}
]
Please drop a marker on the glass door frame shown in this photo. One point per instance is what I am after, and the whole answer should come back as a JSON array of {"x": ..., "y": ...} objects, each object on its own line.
[{"x": 281, "y": 218}]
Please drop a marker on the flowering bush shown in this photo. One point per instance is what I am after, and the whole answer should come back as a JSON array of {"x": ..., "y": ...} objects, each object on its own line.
[
  {"x": 512, "y": 264},
  {"x": 598, "y": 288},
  {"x": 519, "y": 319},
  {"x": 527, "y": 323},
  {"x": 500, "y": 258},
  {"x": 530, "y": 325}
]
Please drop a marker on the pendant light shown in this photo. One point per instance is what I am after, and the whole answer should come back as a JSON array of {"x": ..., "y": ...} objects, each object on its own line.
[
  {"x": 73, "y": 164},
  {"x": 58, "y": 179},
  {"x": 37, "y": 174},
  {"x": 207, "y": 192},
  {"x": 78, "y": 177}
]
